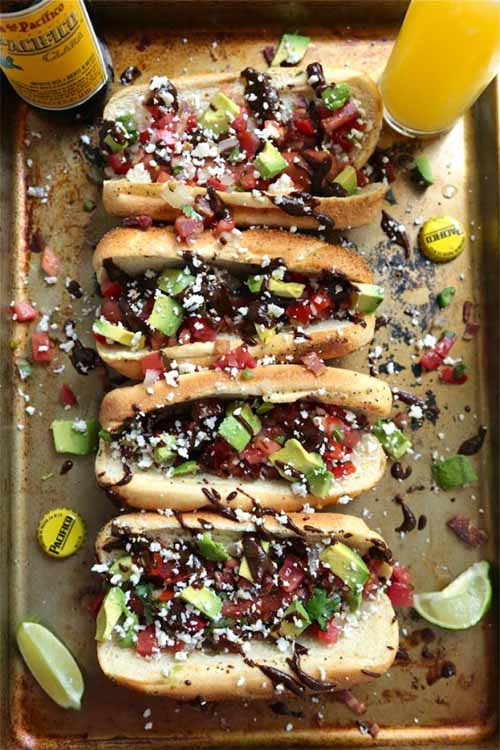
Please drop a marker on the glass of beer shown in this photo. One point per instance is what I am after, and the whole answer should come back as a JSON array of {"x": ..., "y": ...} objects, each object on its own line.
[{"x": 446, "y": 53}]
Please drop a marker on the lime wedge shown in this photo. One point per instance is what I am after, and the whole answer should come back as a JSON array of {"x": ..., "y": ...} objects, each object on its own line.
[
  {"x": 51, "y": 664},
  {"x": 462, "y": 603}
]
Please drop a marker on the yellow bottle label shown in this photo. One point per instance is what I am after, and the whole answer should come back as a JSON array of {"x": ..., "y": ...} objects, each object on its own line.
[{"x": 51, "y": 55}]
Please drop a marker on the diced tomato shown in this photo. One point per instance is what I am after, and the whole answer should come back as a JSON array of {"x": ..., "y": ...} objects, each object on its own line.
[
  {"x": 320, "y": 302},
  {"x": 119, "y": 163},
  {"x": 329, "y": 636},
  {"x": 200, "y": 328},
  {"x": 164, "y": 122},
  {"x": 448, "y": 375},
  {"x": 305, "y": 126},
  {"x": 223, "y": 226},
  {"x": 99, "y": 338},
  {"x": 401, "y": 574},
  {"x": 247, "y": 178},
  {"x": 24, "y": 312},
  {"x": 268, "y": 605},
  {"x": 41, "y": 347},
  {"x": 145, "y": 135},
  {"x": 430, "y": 361},
  {"x": 343, "y": 470},
  {"x": 266, "y": 445},
  {"x": 158, "y": 340},
  {"x": 166, "y": 595},
  {"x": 300, "y": 312},
  {"x": 51, "y": 262},
  {"x": 187, "y": 228},
  {"x": 236, "y": 609},
  {"x": 95, "y": 604},
  {"x": 153, "y": 361},
  {"x": 195, "y": 623},
  {"x": 334, "y": 453},
  {"x": 400, "y": 594},
  {"x": 341, "y": 117},
  {"x": 66, "y": 396},
  {"x": 239, "y": 358},
  {"x": 249, "y": 143},
  {"x": 239, "y": 124},
  {"x": 191, "y": 122},
  {"x": 111, "y": 289},
  {"x": 351, "y": 437},
  {"x": 299, "y": 175},
  {"x": 158, "y": 567},
  {"x": 146, "y": 641},
  {"x": 291, "y": 573},
  {"x": 110, "y": 309},
  {"x": 362, "y": 178},
  {"x": 339, "y": 137},
  {"x": 216, "y": 184},
  {"x": 445, "y": 343}
]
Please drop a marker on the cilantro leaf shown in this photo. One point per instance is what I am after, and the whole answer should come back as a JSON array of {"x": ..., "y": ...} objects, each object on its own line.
[
  {"x": 320, "y": 606},
  {"x": 144, "y": 591}
]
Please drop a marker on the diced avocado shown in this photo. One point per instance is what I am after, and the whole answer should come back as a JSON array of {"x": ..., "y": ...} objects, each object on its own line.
[
  {"x": 320, "y": 481},
  {"x": 122, "y": 567},
  {"x": 173, "y": 281},
  {"x": 245, "y": 413},
  {"x": 254, "y": 283},
  {"x": 348, "y": 179},
  {"x": 345, "y": 563},
  {"x": 295, "y": 621},
  {"x": 336, "y": 96},
  {"x": 166, "y": 315},
  {"x": 188, "y": 467},
  {"x": 291, "y": 49},
  {"x": 264, "y": 407},
  {"x": 354, "y": 599},
  {"x": 130, "y": 623},
  {"x": 205, "y": 600},
  {"x": 445, "y": 296},
  {"x": 113, "y": 145},
  {"x": 422, "y": 172},
  {"x": 111, "y": 610},
  {"x": 162, "y": 454},
  {"x": 289, "y": 289},
  {"x": 224, "y": 104},
  {"x": 270, "y": 163},
  {"x": 69, "y": 438},
  {"x": 105, "y": 436},
  {"x": 455, "y": 471},
  {"x": 234, "y": 433},
  {"x": 119, "y": 334},
  {"x": 294, "y": 455},
  {"x": 210, "y": 549},
  {"x": 264, "y": 334},
  {"x": 130, "y": 124},
  {"x": 367, "y": 298},
  {"x": 390, "y": 437},
  {"x": 244, "y": 569}
]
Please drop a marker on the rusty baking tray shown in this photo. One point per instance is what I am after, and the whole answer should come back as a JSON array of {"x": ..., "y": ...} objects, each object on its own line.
[{"x": 407, "y": 704}]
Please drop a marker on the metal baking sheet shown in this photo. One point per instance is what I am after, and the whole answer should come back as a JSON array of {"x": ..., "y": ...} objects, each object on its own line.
[{"x": 194, "y": 37}]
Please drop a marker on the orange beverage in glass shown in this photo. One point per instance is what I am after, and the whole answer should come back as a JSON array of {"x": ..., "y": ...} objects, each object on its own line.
[{"x": 446, "y": 53}]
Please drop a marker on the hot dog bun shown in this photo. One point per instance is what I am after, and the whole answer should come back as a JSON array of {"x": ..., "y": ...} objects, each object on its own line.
[
  {"x": 124, "y": 198},
  {"x": 152, "y": 489},
  {"x": 367, "y": 646},
  {"x": 135, "y": 251}
]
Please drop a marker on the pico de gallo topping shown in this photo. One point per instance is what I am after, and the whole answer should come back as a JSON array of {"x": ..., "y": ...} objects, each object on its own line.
[
  {"x": 246, "y": 136},
  {"x": 213, "y": 591},
  {"x": 307, "y": 443},
  {"x": 197, "y": 302}
]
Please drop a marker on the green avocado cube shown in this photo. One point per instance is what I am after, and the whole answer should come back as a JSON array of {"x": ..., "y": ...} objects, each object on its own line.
[
  {"x": 173, "y": 281},
  {"x": 77, "y": 436},
  {"x": 296, "y": 457},
  {"x": 347, "y": 564},
  {"x": 204, "y": 599},
  {"x": 288, "y": 289},
  {"x": 130, "y": 623},
  {"x": 109, "y": 615},
  {"x": 122, "y": 567},
  {"x": 119, "y": 334},
  {"x": 234, "y": 433},
  {"x": 164, "y": 453},
  {"x": 320, "y": 481},
  {"x": 188, "y": 467},
  {"x": 245, "y": 414},
  {"x": 166, "y": 315},
  {"x": 291, "y": 49},
  {"x": 367, "y": 297},
  {"x": 422, "y": 171},
  {"x": 270, "y": 163},
  {"x": 224, "y": 104},
  {"x": 254, "y": 283},
  {"x": 390, "y": 437},
  {"x": 295, "y": 621},
  {"x": 210, "y": 549},
  {"x": 336, "y": 96},
  {"x": 455, "y": 471},
  {"x": 348, "y": 179}
]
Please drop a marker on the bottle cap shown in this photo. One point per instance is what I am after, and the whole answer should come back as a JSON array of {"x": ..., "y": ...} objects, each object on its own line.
[
  {"x": 442, "y": 238},
  {"x": 61, "y": 532}
]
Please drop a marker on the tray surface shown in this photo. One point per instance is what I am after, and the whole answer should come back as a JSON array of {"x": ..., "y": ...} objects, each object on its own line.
[{"x": 407, "y": 704}]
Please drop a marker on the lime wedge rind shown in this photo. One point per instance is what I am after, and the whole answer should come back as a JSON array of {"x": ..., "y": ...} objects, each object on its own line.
[
  {"x": 51, "y": 664},
  {"x": 462, "y": 604}
]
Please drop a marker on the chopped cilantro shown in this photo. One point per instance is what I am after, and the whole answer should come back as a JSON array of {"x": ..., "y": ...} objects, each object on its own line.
[{"x": 320, "y": 607}]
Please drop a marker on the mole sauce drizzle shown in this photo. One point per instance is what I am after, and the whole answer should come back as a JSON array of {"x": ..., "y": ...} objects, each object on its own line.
[
  {"x": 261, "y": 96},
  {"x": 302, "y": 204},
  {"x": 395, "y": 232},
  {"x": 306, "y": 679},
  {"x": 277, "y": 677},
  {"x": 474, "y": 444},
  {"x": 409, "y": 520}
]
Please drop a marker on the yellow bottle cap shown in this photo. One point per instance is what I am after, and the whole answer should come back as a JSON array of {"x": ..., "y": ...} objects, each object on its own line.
[
  {"x": 61, "y": 532},
  {"x": 442, "y": 238}
]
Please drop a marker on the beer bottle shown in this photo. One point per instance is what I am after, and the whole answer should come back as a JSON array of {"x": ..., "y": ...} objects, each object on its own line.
[{"x": 52, "y": 57}]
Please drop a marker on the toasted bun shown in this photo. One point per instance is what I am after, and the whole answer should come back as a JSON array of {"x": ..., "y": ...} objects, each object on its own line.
[
  {"x": 366, "y": 648},
  {"x": 135, "y": 251},
  {"x": 124, "y": 198},
  {"x": 151, "y": 489}
]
